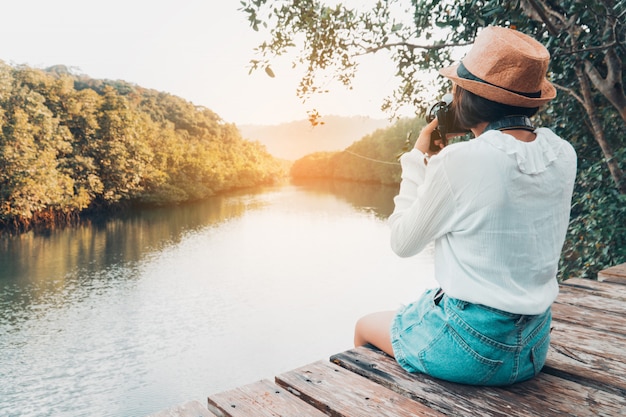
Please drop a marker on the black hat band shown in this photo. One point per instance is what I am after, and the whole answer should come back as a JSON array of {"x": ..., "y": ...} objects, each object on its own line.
[{"x": 464, "y": 73}]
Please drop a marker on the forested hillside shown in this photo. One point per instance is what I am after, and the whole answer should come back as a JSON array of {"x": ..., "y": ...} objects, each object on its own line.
[
  {"x": 372, "y": 159},
  {"x": 70, "y": 144}
]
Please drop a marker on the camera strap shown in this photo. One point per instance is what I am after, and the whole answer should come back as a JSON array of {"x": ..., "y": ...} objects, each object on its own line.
[{"x": 511, "y": 122}]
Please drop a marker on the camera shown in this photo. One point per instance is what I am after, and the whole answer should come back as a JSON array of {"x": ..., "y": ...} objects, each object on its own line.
[{"x": 443, "y": 111}]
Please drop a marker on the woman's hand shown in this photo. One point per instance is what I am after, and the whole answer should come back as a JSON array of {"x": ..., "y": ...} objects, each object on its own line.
[{"x": 422, "y": 143}]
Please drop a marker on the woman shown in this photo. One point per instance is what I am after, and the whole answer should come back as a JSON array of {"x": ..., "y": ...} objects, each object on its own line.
[{"x": 497, "y": 208}]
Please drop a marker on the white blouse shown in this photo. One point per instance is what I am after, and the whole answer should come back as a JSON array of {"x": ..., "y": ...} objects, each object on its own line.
[{"x": 498, "y": 210}]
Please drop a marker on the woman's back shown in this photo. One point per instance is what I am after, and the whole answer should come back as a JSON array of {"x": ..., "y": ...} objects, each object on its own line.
[{"x": 510, "y": 218}]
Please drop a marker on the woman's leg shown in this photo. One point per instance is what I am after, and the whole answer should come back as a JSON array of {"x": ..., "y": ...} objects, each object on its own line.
[{"x": 375, "y": 329}]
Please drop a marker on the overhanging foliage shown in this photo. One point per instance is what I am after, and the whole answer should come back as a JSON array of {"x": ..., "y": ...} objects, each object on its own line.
[{"x": 587, "y": 42}]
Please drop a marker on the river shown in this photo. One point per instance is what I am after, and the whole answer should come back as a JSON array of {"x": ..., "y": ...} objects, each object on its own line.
[{"x": 137, "y": 313}]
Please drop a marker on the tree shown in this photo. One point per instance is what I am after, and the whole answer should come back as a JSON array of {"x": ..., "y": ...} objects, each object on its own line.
[
  {"x": 587, "y": 42},
  {"x": 31, "y": 185},
  {"x": 69, "y": 144},
  {"x": 119, "y": 149}
]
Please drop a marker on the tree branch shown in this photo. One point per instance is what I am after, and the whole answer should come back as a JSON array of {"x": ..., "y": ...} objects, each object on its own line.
[
  {"x": 598, "y": 131},
  {"x": 611, "y": 86},
  {"x": 412, "y": 46},
  {"x": 541, "y": 12},
  {"x": 607, "y": 46},
  {"x": 570, "y": 92}
]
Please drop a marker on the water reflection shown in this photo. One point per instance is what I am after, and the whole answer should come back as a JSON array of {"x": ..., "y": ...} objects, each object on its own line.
[
  {"x": 144, "y": 311},
  {"x": 94, "y": 245},
  {"x": 44, "y": 268},
  {"x": 47, "y": 259},
  {"x": 376, "y": 198}
]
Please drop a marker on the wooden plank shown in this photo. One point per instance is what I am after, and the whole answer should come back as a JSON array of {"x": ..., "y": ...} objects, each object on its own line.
[
  {"x": 260, "y": 399},
  {"x": 582, "y": 297},
  {"x": 188, "y": 409},
  {"x": 602, "y": 289},
  {"x": 586, "y": 339},
  {"x": 599, "y": 320},
  {"x": 339, "y": 392},
  {"x": 615, "y": 274},
  {"x": 586, "y": 369},
  {"x": 589, "y": 356},
  {"x": 543, "y": 395},
  {"x": 589, "y": 347}
]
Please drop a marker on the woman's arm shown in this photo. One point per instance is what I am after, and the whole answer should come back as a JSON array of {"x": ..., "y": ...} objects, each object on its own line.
[{"x": 425, "y": 203}]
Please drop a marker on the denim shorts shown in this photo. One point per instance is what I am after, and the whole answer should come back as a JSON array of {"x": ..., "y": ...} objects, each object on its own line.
[{"x": 469, "y": 343}]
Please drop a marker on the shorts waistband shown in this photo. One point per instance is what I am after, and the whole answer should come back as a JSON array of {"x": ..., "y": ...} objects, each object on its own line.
[{"x": 461, "y": 304}]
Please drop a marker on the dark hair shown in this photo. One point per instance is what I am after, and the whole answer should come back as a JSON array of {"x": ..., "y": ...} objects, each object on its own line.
[{"x": 470, "y": 109}]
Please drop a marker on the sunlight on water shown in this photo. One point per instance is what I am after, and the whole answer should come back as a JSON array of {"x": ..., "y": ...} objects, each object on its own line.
[{"x": 147, "y": 312}]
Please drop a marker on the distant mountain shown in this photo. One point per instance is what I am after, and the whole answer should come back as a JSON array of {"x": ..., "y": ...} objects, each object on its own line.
[{"x": 293, "y": 140}]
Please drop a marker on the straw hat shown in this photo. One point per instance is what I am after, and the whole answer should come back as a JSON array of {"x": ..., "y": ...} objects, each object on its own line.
[{"x": 505, "y": 66}]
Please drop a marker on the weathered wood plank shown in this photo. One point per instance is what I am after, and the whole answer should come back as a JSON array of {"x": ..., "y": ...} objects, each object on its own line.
[
  {"x": 544, "y": 395},
  {"x": 188, "y": 409},
  {"x": 584, "y": 298},
  {"x": 602, "y": 289},
  {"x": 586, "y": 369},
  {"x": 600, "y": 320},
  {"x": 338, "y": 392},
  {"x": 260, "y": 399},
  {"x": 589, "y": 356},
  {"x": 587, "y": 339},
  {"x": 615, "y": 274}
]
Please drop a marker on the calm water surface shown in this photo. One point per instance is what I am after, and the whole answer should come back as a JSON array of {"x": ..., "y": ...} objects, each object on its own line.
[{"x": 137, "y": 314}]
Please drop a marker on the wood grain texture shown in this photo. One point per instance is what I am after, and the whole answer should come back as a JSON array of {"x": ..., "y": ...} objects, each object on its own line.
[
  {"x": 260, "y": 399},
  {"x": 616, "y": 274},
  {"x": 542, "y": 396},
  {"x": 587, "y": 299},
  {"x": 603, "y": 321},
  {"x": 339, "y": 392},
  {"x": 599, "y": 288},
  {"x": 188, "y": 409}
]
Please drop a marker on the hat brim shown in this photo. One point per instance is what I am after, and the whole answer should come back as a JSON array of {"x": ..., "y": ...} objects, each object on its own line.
[{"x": 500, "y": 95}]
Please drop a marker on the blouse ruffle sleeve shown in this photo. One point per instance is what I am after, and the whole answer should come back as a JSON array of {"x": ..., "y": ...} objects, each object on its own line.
[{"x": 423, "y": 206}]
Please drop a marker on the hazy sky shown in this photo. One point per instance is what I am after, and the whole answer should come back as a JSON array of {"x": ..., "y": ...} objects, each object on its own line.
[{"x": 195, "y": 49}]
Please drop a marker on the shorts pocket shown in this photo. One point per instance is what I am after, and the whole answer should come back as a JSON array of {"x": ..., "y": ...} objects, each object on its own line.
[
  {"x": 453, "y": 358},
  {"x": 539, "y": 353}
]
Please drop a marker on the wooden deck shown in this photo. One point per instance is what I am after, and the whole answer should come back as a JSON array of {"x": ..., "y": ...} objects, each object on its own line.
[{"x": 585, "y": 374}]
